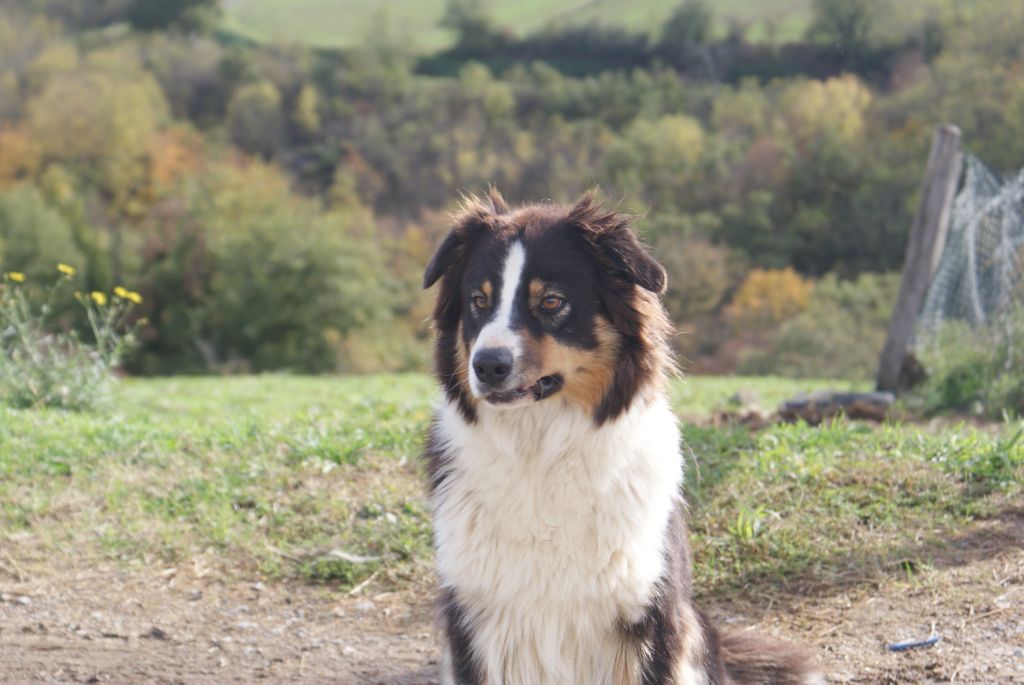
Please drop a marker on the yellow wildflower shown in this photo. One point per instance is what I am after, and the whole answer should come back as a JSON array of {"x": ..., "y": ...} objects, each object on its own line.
[
  {"x": 16, "y": 276},
  {"x": 129, "y": 295},
  {"x": 98, "y": 297},
  {"x": 66, "y": 269}
]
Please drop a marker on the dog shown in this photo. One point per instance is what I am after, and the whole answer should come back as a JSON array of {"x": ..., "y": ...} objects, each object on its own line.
[{"x": 553, "y": 463}]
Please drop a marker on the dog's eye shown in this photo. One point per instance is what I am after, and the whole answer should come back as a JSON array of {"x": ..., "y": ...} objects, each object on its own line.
[
  {"x": 480, "y": 301},
  {"x": 549, "y": 304}
]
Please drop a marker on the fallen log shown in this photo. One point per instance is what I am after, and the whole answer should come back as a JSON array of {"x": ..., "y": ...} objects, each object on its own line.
[{"x": 816, "y": 406}]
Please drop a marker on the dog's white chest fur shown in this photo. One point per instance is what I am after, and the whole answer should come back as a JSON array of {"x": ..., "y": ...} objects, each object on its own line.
[{"x": 550, "y": 530}]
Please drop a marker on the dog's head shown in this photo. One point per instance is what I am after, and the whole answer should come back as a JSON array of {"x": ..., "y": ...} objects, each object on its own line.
[{"x": 544, "y": 301}]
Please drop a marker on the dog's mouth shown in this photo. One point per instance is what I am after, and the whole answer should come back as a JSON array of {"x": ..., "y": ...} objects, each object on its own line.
[{"x": 544, "y": 388}]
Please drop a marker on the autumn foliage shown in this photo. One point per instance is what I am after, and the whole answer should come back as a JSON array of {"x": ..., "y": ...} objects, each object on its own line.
[{"x": 275, "y": 204}]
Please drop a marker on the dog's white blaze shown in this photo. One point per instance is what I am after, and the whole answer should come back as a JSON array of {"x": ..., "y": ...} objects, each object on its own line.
[
  {"x": 551, "y": 532},
  {"x": 498, "y": 332}
]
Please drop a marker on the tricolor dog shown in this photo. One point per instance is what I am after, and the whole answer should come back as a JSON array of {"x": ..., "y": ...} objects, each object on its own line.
[{"x": 554, "y": 463}]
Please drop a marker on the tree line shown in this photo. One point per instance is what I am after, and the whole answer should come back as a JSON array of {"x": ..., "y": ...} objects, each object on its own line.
[{"x": 274, "y": 204}]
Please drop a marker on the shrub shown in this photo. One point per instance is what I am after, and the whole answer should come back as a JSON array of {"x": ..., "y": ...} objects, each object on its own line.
[
  {"x": 838, "y": 335},
  {"x": 769, "y": 296},
  {"x": 701, "y": 275},
  {"x": 975, "y": 370},
  {"x": 33, "y": 235},
  {"x": 40, "y": 368},
  {"x": 246, "y": 276}
]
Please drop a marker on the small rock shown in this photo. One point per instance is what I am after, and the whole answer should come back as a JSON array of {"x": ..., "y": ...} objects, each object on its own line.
[
  {"x": 155, "y": 633},
  {"x": 349, "y": 650},
  {"x": 195, "y": 596},
  {"x": 365, "y": 606}
]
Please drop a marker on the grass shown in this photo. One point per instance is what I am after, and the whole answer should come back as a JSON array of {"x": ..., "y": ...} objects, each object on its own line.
[
  {"x": 845, "y": 501},
  {"x": 697, "y": 396},
  {"x": 317, "y": 478},
  {"x": 334, "y": 24},
  {"x": 256, "y": 471}
]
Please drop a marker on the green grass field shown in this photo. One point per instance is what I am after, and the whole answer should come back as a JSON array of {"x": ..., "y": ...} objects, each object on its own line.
[
  {"x": 345, "y": 23},
  {"x": 274, "y": 475}
]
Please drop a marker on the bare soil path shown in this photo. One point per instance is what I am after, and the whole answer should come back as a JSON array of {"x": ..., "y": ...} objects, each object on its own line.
[{"x": 109, "y": 624}]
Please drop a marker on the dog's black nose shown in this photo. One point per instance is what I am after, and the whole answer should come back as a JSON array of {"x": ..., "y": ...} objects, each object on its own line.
[{"x": 492, "y": 365}]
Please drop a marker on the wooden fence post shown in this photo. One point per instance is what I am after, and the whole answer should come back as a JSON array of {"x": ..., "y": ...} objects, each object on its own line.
[{"x": 927, "y": 239}]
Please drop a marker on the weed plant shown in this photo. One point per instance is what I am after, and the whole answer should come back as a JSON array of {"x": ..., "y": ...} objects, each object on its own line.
[{"x": 44, "y": 366}]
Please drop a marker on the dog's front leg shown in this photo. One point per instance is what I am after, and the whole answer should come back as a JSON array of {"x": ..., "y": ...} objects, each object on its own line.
[{"x": 459, "y": 665}]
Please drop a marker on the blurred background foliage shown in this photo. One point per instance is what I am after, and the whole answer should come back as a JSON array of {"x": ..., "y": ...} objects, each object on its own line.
[{"x": 275, "y": 200}]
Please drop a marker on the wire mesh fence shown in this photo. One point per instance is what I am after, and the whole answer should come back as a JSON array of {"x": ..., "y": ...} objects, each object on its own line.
[{"x": 979, "y": 282}]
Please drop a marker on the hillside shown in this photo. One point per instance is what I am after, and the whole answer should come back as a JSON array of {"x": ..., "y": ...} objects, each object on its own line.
[{"x": 341, "y": 23}]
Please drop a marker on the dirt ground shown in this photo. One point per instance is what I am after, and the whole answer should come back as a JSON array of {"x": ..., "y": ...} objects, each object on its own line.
[{"x": 182, "y": 625}]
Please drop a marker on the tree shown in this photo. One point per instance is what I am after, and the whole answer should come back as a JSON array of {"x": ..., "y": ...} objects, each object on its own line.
[
  {"x": 102, "y": 125},
  {"x": 255, "y": 119},
  {"x": 845, "y": 25},
  {"x": 473, "y": 27},
  {"x": 19, "y": 156},
  {"x": 288, "y": 277},
  {"x": 306, "y": 114},
  {"x": 658, "y": 160},
  {"x": 78, "y": 14},
  {"x": 184, "y": 15},
  {"x": 687, "y": 29},
  {"x": 191, "y": 72},
  {"x": 836, "y": 108}
]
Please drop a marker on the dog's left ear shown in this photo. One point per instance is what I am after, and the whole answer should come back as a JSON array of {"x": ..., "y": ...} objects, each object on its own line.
[
  {"x": 477, "y": 214},
  {"x": 608, "y": 231}
]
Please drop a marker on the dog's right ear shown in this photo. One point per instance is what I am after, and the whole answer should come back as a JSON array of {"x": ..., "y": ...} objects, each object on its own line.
[
  {"x": 477, "y": 215},
  {"x": 442, "y": 259}
]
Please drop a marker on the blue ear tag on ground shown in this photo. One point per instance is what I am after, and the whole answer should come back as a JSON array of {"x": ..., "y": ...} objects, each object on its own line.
[{"x": 912, "y": 644}]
